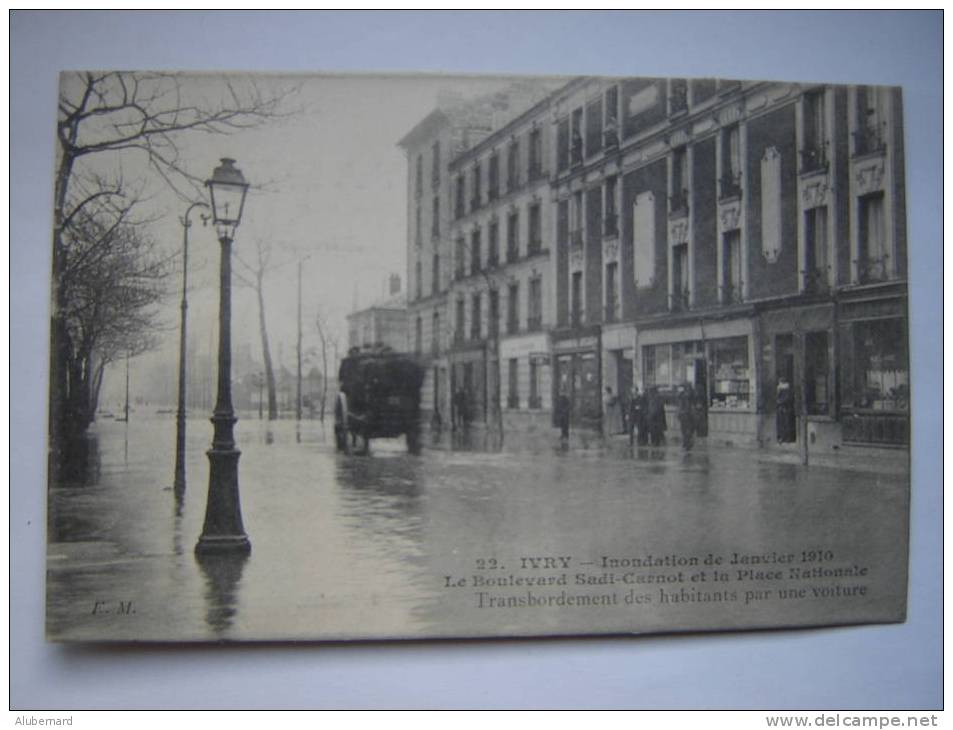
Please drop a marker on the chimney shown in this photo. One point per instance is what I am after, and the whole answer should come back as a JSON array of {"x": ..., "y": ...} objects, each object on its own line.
[{"x": 395, "y": 283}]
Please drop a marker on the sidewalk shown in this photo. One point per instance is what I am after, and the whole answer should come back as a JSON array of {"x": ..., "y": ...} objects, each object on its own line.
[{"x": 590, "y": 443}]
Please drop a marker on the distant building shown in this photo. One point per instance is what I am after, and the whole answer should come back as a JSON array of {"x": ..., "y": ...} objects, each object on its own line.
[{"x": 382, "y": 323}]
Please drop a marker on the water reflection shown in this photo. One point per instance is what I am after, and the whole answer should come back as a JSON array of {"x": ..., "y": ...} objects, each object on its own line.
[{"x": 223, "y": 574}]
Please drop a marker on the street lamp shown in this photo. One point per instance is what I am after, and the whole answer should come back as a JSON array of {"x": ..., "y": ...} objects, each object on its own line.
[
  {"x": 223, "y": 531},
  {"x": 178, "y": 483}
]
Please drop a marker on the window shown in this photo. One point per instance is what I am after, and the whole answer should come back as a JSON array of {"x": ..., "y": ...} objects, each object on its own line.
[
  {"x": 594, "y": 127},
  {"x": 475, "y": 252},
  {"x": 611, "y": 219},
  {"x": 458, "y": 258},
  {"x": 513, "y": 309},
  {"x": 562, "y": 145},
  {"x": 679, "y": 199},
  {"x": 731, "y": 263},
  {"x": 461, "y": 317},
  {"x": 418, "y": 280},
  {"x": 435, "y": 274},
  {"x": 493, "y": 322},
  {"x": 535, "y": 235},
  {"x": 814, "y": 152},
  {"x": 419, "y": 176},
  {"x": 513, "y": 237},
  {"x": 881, "y": 373},
  {"x": 535, "y": 314},
  {"x": 535, "y": 154},
  {"x": 418, "y": 236},
  {"x": 817, "y": 373},
  {"x": 871, "y": 133},
  {"x": 493, "y": 184},
  {"x": 680, "y": 281},
  {"x": 435, "y": 221},
  {"x": 816, "y": 256},
  {"x": 612, "y": 297},
  {"x": 493, "y": 244},
  {"x": 678, "y": 96},
  {"x": 476, "y": 200},
  {"x": 513, "y": 394},
  {"x": 576, "y": 141},
  {"x": 476, "y": 322},
  {"x": 435, "y": 335},
  {"x": 418, "y": 336},
  {"x": 731, "y": 377},
  {"x": 873, "y": 256},
  {"x": 611, "y": 131},
  {"x": 576, "y": 220},
  {"x": 459, "y": 208},
  {"x": 730, "y": 162},
  {"x": 667, "y": 367},
  {"x": 435, "y": 165},
  {"x": 576, "y": 299},
  {"x": 534, "y": 400},
  {"x": 513, "y": 166}
]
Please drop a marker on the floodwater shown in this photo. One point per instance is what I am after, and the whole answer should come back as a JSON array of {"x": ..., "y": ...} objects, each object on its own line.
[{"x": 396, "y": 545}]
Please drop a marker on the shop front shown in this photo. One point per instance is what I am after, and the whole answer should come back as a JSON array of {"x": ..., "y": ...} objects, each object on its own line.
[
  {"x": 875, "y": 370},
  {"x": 578, "y": 375},
  {"x": 527, "y": 382},
  {"x": 716, "y": 360},
  {"x": 798, "y": 366},
  {"x": 468, "y": 385}
]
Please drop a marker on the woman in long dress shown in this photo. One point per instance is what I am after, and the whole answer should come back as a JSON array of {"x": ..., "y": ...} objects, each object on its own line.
[{"x": 613, "y": 411}]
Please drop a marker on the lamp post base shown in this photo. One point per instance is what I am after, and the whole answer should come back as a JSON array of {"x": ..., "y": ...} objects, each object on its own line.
[{"x": 223, "y": 545}]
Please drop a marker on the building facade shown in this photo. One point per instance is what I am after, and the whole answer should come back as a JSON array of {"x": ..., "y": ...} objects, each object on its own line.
[
  {"x": 384, "y": 323},
  {"x": 720, "y": 234}
]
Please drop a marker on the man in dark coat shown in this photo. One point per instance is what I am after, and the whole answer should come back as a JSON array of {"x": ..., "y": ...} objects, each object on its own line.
[
  {"x": 563, "y": 412},
  {"x": 686, "y": 416},
  {"x": 637, "y": 427},
  {"x": 655, "y": 417},
  {"x": 785, "y": 412}
]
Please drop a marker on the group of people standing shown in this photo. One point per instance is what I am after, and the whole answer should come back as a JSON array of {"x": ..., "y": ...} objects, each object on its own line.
[{"x": 644, "y": 420}]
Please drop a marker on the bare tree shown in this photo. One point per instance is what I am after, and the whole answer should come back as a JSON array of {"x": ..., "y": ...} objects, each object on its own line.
[
  {"x": 253, "y": 276},
  {"x": 104, "y": 118},
  {"x": 327, "y": 341}
]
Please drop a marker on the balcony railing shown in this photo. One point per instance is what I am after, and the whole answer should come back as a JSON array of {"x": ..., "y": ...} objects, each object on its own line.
[
  {"x": 872, "y": 270},
  {"x": 814, "y": 158},
  {"x": 729, "y": 186},
  {"x": 611, "y": 225},
  {"x": 679, "y": 300},
  {"x": 575, "y": 238},
  {"x": 678, "y": 203},
  {"x": 871, "y": 139},
  {"x": 534, "y": 323}
]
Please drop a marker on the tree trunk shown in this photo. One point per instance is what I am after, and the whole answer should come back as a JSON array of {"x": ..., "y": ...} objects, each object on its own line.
[{"x": 266, "y": 353}]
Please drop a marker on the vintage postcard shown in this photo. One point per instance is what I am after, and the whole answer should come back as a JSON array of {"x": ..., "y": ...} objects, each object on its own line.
[{"x": 363, "y": 357}]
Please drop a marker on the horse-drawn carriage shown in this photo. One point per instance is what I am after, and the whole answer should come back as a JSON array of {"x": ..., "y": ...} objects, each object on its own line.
[{"x": 379, "y": 397}]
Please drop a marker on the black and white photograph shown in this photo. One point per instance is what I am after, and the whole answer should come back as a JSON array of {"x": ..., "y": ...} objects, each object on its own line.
[{"x": 362, "y": 356}]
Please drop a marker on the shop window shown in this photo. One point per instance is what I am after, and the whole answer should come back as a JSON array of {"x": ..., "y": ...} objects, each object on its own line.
[
  {"x": 881, "y": 371},
  {"x": 513, "y": 395},
  {"x": 816, "y": 253},
  {"x": 731, "y": 376},
  {"x": 817, "y": 373},
  {"x": 534, "y": 398},
  {"x": 873, "y": 255}
]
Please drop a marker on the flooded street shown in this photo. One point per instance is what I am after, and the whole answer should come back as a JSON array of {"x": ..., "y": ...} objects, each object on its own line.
[{"x": 377, "y": 546}]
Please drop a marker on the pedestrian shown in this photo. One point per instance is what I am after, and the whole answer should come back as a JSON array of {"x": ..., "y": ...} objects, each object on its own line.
[
  {"x": 785, "y": 412},
  {"x": 563, "y": 414},
  {"x": 613, "y": 414},
  {"x": 701, "y": 410},
  {"x": 637, "y": 429},
  {"x": 655, "y": 417},
  {"x": 686, "y": 416}
]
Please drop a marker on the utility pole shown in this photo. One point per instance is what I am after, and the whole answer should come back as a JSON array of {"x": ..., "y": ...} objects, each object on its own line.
[{"x": 298, "y": 396}]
